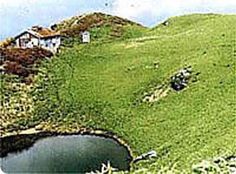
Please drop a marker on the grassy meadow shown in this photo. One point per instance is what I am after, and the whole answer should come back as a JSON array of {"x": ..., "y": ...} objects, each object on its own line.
[{"x": 102, "y": 85}]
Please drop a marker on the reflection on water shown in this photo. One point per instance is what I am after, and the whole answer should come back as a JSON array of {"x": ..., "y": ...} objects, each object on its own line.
[{"x": 75, "y": 153}]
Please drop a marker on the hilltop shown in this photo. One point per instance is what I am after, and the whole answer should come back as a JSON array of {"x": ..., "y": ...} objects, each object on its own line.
[
  {"x": 124, "y": 86},
  {"x": 99, "y": 24}
]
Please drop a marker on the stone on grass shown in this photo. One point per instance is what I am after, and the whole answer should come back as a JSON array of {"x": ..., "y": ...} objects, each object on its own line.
[{"x": 181, "y": 79}]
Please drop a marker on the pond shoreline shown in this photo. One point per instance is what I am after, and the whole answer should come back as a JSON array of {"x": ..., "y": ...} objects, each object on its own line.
[{"x": 26, "y": 139}]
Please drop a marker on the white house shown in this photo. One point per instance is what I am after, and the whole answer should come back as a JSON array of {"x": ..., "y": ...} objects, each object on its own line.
[{"x": 40, "y": 37}]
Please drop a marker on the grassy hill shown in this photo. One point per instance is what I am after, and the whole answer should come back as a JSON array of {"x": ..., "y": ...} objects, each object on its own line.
[
  {"x": 102, "y": 85},
  {"x": 101, "y": 26}
]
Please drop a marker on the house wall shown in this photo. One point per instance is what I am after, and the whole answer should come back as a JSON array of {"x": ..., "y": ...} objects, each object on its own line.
[
  {"x": 35, "y": 41},
  {"x": 51, "y": 44},
  {"x": 18, "y": 42},
  {"x": 27, "y": 41}
]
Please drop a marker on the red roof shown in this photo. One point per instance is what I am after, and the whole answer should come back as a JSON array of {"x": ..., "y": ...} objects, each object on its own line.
[
  {"x": 41, "y": 32},
  {"x": 44, "y": 32}
]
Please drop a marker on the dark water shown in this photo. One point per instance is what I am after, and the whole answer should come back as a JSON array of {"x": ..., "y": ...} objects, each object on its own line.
[{"x": 67, "y": 154}]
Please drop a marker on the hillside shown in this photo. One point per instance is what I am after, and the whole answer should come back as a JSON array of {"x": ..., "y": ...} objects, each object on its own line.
[
  {"x": 100, "y": 25},
  {"x": 104, "y": 85}
]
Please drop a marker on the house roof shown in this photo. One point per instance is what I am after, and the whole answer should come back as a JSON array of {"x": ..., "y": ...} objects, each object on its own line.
[{"x": 40, "y": 32}]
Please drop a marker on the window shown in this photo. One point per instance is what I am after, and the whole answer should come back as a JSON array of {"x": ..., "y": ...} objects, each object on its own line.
[{"x": 24, "y": 42}]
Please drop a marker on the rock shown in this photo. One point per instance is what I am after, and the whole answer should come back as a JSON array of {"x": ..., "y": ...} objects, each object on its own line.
[
  {"x": 217, "y": 165},
  {"x": 202, "y": 167},
  {"x": 156, "y": 65},
  {"x": 39, "y": 127},
  {"x": 180, "y": 80},
  {"x": 166, "y": 23},
  {"x": 146, "y": 156}
]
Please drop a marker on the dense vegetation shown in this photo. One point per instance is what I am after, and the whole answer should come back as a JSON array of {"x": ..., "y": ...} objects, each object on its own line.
[{"x": 102, "y": 85}]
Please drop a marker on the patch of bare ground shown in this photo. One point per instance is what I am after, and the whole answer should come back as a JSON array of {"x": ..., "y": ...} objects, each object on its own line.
[
  {"x": 159, "y": 93},
  {"x": 179, "y": 81}
]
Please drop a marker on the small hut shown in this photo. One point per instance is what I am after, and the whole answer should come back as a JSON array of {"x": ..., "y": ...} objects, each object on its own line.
[{"x": 85, "y": 37}]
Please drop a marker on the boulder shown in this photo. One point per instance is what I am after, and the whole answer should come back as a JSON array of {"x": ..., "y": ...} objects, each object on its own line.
[{"x": 180, "y": 80}]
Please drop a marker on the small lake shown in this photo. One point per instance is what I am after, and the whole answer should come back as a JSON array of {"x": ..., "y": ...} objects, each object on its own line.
[{"x": 67, "y": 154}]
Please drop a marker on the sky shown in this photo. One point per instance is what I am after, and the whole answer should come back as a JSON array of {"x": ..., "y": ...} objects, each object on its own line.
[{"x": 18, "y": 15}]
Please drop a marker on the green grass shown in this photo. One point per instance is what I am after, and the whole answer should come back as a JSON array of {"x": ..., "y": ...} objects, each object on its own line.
[{"x": 101, "y": 85}]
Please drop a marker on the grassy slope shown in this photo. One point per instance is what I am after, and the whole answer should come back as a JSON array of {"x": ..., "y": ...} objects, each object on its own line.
[
  {"x": 191, "y": 125},
  {"x": 102, "y": 83},
  {"x": 101, "y": 27}
]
